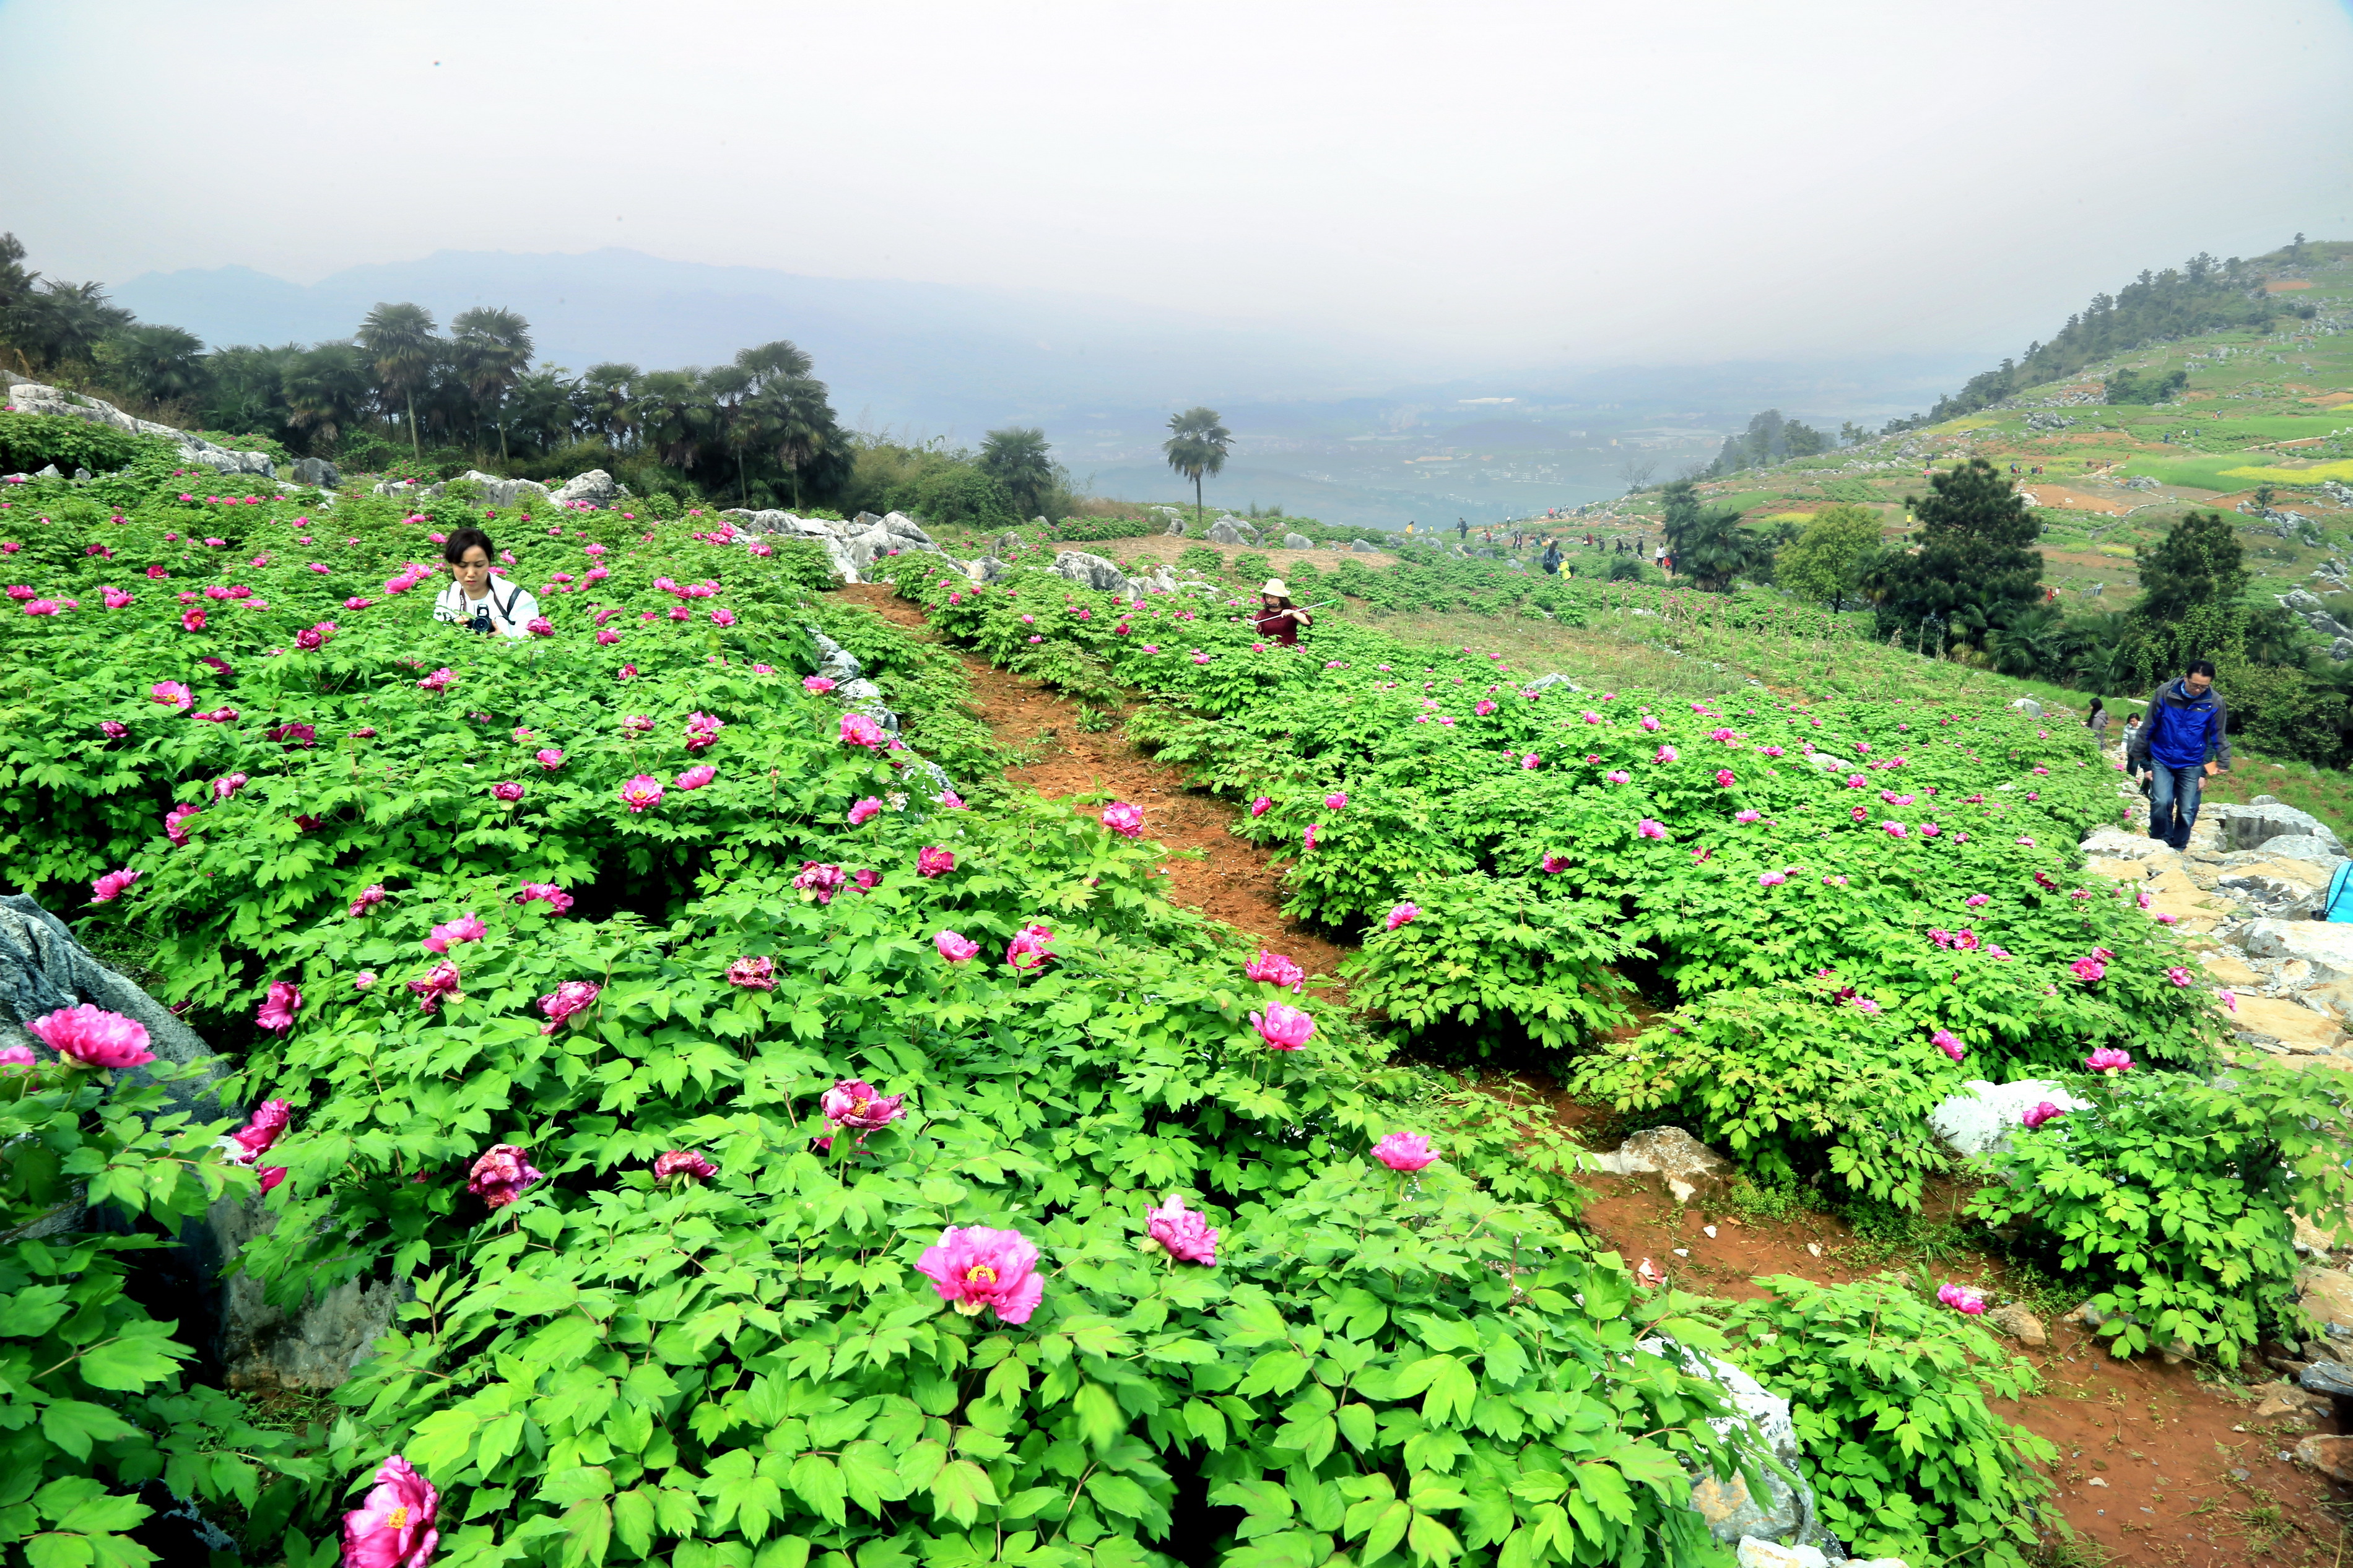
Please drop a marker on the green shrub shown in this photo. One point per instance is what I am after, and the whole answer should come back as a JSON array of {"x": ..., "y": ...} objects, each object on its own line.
[
  {"x": 1079, "y": 530},
  {"x": 2171, "y": 1199},
  {"x": 1252, "y": 567},
  {"x": 1888, "y": 1390},
  {"x": 31, "y": 442},
  {"x": 958, "y": 493},
  {"x": 1204, "y": 559}
]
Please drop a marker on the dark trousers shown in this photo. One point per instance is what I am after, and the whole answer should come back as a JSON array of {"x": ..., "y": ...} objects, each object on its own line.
[{"x": 2173, "y": 802}]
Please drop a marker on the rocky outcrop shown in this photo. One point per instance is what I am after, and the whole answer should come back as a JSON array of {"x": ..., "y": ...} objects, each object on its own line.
[
  {"x": 313, "y": 1346},
  {"x": 595, "y": 487},
  {"x": 1364, "y": 547},
  {"x": 32, "y": 398},
  {"x": 1297, "y": 541},
  {"x": 1768, "y": 1501},
  {"x": 851, "y": 547},
  {"x": 1226, "y": 531},
  {"x": 1089, "y": 571},
  {"x": 317, "y": 472},
  {"x": 1981, "y": 1118},
  {"x": 1685, "y": 1164}
]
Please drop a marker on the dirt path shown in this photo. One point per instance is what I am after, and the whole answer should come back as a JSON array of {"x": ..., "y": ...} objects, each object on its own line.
[{"x": 1207, "y": 868}]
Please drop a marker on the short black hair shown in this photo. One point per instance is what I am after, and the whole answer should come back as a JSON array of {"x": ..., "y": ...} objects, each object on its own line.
[
  {"x": 2204, "y": 666},
  {"x": 465, "y": 539}
]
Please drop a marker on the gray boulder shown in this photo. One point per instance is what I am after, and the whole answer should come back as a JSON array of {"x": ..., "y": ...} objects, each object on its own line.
[
  {"x": 865, "y": 520},
  {"x": 1297, "y": 541},
  {"x": 34, "y": 397},
  {"x": 313, "y": 1346},
  {"x": 2028, "y": 706},
  {"x": 835, "y": 662},
  {"x": 2307, "y": 847},
  {"x": 1983, "y": 1115},
  {"x": 1176, "y": 525},
  {"x": 1364, "y": 547},
  {"x": 595, "y": 487},
  {"x": 1224, "y": 532},
  {"x": 901, "y": 526},
  {"x": 496, "y": 491},
  {"x": 2248, "y": 826},
  {"x": 2302, "y": 602},
  {"x": 1548, "y": 682},
  {"x": 990, "y": 569},
  {"x": 1682, "y": 1160},
  {"x": 1769, "y": 1498},
  {"x": 49, "y": 472},
  {"x": 1089, "y": 571},
  {"x": 317, "y": 472}
]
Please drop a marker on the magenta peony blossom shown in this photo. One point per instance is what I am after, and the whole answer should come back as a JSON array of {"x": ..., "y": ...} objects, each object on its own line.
[
  {"x": 1557, "y": 863},
  {"x": 392, "y": 1528},
  {"x": 1259, "y": 807},
  {"x": 1185, "y": 1234},
  {"x": 696, "y": 776},
  {"x": 465, "y": 928},
  {"x": 822, "y": 880},
  {"x": 817, "y": 685},
  {"x": 1274, "y": 969},
  {"x": 865, "y": 809},
  {"x": 641, "y": 792},
  {"x": 15, "y": 1057},
  {"x": 111, "y": 886},
  {"x": 935, "y": 861},
  {"x": 441, "y": 981},
  {"x": 2179, "y": 975},
  {"x": 549, "y": 758},
  {"x": 1725, "y": 778},
  {"x": 1028, "y": 948},
  {"x": 173, "y": 694},
  {"x": 955, "y": 949},
  {"x": 193, "y": 619},
  {"x": 539, "y": 626},
  {"x": 261, "y": 1130},
  {"x": 684, "y": 1164},
  {"x": 112, "y": 730},
  {"x": 1404, "y": 1151},
  {"x": 638, "y": 724},
  {"x": 1401, "y": 914},
  {"x": 1962, "y": 1299},
  {"x": 1771, "y": 878},
  {"x": 606, "y": 636},
  {"x": 2088, "y": 970},
  {"x": 1617, "y": 775},
  {"x": 176, "y": 824},
  {"x": 1950, "y": 1042},
  {"x": 857, "y": 730},
  {"x": 1978, "y": 901},
  {"x": 506, "y": 790},
  {"x": 1896, "y": 829},
  {"x": 572, "y": 997},
  {"x": 501, "y": 1175},
  {"x": 2040, "y": 1113},
  {"x": 1665, "y": 754},
  {"x": 93, "y": 1037},
  {"x": 2108, "y": 1059},
  {"x": 1649, "y": 722},
  {"x": 974, "y": 1267},
  {"x": 1124, "y": 819},
  {"x": 1307, "y": 840},
  {"x": 277, "y": 1014},
  {"x": 856, "y": 1104},
  {"x": 702, "y": 730},
  {"x": 438, "y": 680},
  {"x": 1650, "y": 828},
  {"x": 1284, "y": 1028},
  {"x": 557, "y": 901},
  {"x": 753, "y": 973}
]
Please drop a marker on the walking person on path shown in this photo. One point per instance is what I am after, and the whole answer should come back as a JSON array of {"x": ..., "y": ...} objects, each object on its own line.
[
  {"x": 2187, "y": 723},
  {"x": 1551, "y": 562},
  {"x": 2096, "y": 722}
]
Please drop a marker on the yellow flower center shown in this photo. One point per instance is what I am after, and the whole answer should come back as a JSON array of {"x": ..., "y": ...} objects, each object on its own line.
[
  {"x": 858, "y": 1107},
  {"x": 399, "y": 1517},
  {"x": 980, "y": 1274}
]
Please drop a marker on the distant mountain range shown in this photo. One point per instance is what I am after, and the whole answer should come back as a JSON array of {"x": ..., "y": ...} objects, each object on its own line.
[{"x": 1325, "y": 426}]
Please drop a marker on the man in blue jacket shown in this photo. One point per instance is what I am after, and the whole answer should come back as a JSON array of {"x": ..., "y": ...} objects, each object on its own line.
[{"x": 2185, "y": 742}]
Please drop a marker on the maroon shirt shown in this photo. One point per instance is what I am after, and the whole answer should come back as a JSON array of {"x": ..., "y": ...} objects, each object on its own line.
[{"x": 1278, "y": 626}]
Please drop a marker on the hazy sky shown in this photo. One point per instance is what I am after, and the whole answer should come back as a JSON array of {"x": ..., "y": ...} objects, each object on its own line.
[{"x": 1539, "y": 184}]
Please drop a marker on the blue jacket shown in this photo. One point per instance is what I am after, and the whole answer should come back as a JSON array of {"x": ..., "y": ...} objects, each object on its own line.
[{"x": 2181, "y": 731}]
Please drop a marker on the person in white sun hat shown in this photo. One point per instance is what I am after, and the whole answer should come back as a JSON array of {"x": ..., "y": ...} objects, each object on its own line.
[{"x": 1278, "y": 618}]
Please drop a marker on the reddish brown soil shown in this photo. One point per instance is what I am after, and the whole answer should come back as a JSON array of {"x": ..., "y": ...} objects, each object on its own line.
[
  {"x": 2190, "y": 1481},
  {"x": 1207, "y": 868}
]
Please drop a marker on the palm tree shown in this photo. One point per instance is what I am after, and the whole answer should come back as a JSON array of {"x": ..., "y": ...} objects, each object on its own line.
[
  {"x": 399, "y": 342},
  {"x": 326, "y": 394},
  {"x": 796, "y": 422},
  {"x": 607, "y": 387},
  {"x": 778, "y": 361},
  {"x": 493, "y": 347},
  {"x": 1018, "y": 457},
  {"x": 543, "y": 408},
  {"x": 727, "y": 386},
  {"x": 162, "y": 365},
  {"x": 675, "y": 414},
  {"x": 63, "y": 323},
  {"x": 1196, "y": 446}
]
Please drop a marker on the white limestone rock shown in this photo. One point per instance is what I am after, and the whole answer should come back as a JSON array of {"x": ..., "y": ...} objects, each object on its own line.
[
  {"x": 2325, "y": 945},
  {"x": 1983, "y": 1115}
]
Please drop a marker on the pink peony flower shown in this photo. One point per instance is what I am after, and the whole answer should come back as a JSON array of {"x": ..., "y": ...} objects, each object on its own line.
[
  {"x": 973, "y": 1268},
  {"x": 438, "y": 680},
  {"x": 193, "y": 619},
  {"x": 465, "y": 928},
  {"x": 606, "y": 636},
  {"x": 1771, "y": 878},
  {"x": 549, "y": 757},
  {"x": 856, "y": 1104},
  {"x": 369, "y": 897},
  {"x": 1401, "y": 914},
  {"x": 1028, "y": 950},
  {"x": 175, "y": 822},
  {"x": 641, "y": 792},
  {"x": 1483, "y": 707},
  {"x": 1404, "y": 1151},
  {"x": 1337, "y": 800},
  {"x": 92, "y": 1037},
  {"x": 1285, "y": 1028},
  {"x": 1745, "y": 817},
  {"x": 1962, "y": 1299},
  {"x": 817, "y": 685},
  {"x": 684, "y": 1164},
  {"x": 696, "y": 776},
  {"x": 571, "y": 997},
  {"x": 501, "y": 1175},
  {"x": 753, "y": 973},
  {"x": 1307, "y": 840},
  {"x": 935, "y": 861},
  {"x": 1978, "y": 901},
  {"x": 822, "y": 880},
  {"x": 702, "y": 730},
  {"x": 2108, "y": 1059},
  {"x": 857, "y": 730},
  {"x": 539, "y": 626},
  {"x": 1950, "y": 1042},
  {"x": 277, "y": 1014},
  {"x": 1274, "y": 969},
  {"x": 13, "y": 1057},
  {"x": 557, "y": 901},
  {"x": 1124, "y": 819},
  {"x": 1649, "y": 828},
  {"x": 111, "y": 886},
  {"x": 112, "y": 730},
  {"x": 1665, "y": 754},
  {"x": 1618, "y": 777},
  {"x": 1182, "y": 1232},
  {"x": 2041, "y": 1112},
  {"x": 172, "y": 694},
  {"x": 1259, "y": 807},
  {"x": 869, "y": 807},
  {"x": 1555, "y": 863},
  {"x": 507, "y": 790},
  {"x": 1649, "y": 722},
  {"x": 2180, "y": 976},
  {"x": 1725, "y": 778},
  {"x": 393, "y": 1526},
  {"x": 2088, "y": 970},
  {"x": 223, "y": 788}
]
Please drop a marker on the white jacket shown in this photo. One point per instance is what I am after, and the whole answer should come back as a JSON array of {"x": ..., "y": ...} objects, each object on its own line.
[{"x": 508, "y": 607}]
